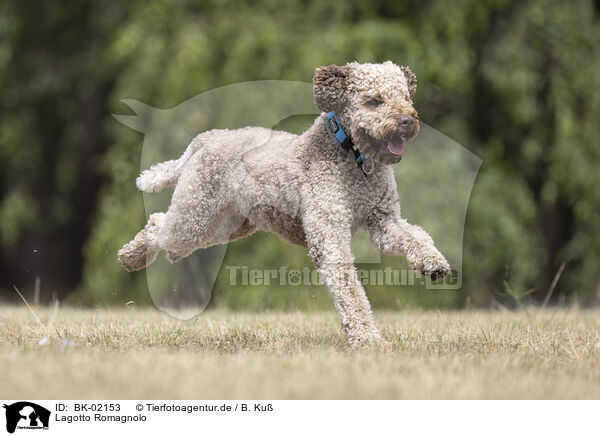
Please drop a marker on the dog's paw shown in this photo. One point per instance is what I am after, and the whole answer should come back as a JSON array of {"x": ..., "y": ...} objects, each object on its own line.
[
  {"x": 431, "y": 264},
  {"x": 363, "y": 340},
  {"x": 360, "y": 336},
  {"x": 436, "y": 269}
]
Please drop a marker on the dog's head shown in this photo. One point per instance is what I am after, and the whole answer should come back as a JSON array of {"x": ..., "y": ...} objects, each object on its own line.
[{"x": 374, "y": 104}]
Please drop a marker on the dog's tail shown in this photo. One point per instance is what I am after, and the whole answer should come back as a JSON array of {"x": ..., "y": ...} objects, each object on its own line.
[
  {"x": 165, "y": 174},
  {"x": 160, "y": 176}
]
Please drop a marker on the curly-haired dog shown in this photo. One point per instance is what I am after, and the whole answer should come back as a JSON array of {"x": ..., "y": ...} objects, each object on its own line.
[{"x": 314, "y": 190}]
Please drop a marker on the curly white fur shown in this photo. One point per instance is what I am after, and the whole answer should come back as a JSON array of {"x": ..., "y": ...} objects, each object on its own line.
[{"x": 230, "y": 183}]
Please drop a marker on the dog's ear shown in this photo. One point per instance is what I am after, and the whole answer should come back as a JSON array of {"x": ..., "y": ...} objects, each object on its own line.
[
  {"x": 329, "y": 86},
  {"x": 411, "y": 80}
]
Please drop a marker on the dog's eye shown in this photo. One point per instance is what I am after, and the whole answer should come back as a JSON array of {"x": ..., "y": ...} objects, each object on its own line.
[{"x": 374, "y": 102}]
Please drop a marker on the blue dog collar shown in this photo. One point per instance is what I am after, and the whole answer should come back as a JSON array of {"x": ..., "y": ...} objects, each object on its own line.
[
  {"x": 343, "y": 142},
  {"x": 336, "y": 128}
]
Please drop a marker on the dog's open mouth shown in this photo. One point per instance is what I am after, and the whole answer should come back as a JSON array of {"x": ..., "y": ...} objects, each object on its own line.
[
  {"x": 388, "y": 150},
  {"x": 396, "y": 146}
]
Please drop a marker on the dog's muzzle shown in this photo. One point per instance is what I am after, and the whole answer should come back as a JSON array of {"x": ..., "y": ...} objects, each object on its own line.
[{"x": 408, "y": 126}]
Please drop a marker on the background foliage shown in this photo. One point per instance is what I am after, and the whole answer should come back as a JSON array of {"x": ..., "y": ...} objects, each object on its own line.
[{"x": 517, "y": 83}]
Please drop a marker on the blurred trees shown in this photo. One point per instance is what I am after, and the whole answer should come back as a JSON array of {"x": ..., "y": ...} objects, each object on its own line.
[
  {"x": 515, "y": 82},
  {"x": 56, "y": 80}
]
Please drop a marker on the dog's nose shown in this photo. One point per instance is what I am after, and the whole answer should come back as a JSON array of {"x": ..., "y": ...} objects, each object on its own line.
[
  {"x": 408, "y": 126},
  {"x": 406, "y": 122}
]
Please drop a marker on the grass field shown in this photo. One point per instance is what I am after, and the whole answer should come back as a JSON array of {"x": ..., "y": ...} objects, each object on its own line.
[{"x": 141, "y": 353}]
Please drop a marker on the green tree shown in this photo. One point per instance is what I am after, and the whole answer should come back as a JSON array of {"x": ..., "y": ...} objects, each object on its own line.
[{"x": 514, "y": 82}]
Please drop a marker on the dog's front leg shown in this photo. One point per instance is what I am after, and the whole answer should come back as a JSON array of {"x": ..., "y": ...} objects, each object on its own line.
[
  {"x": 329, "y": 240},
  {"x": 392, "y": 235},
  {"x": 336, "y": 266}
]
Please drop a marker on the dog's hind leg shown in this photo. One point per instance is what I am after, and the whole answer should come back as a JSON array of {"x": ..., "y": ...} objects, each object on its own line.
[
  {"x": 186, "y": 231},
  {"x": 143, "y": 249}
]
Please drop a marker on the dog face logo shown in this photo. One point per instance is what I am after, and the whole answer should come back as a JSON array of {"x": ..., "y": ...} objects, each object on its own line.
[{"x": 26, "y": 415}]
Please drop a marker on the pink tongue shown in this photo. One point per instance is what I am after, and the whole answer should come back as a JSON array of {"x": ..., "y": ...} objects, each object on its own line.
[{"x": 396, "y": 147}]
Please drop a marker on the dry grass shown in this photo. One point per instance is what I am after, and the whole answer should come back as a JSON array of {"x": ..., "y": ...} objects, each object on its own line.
[{"x": 133, "y": 353}]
